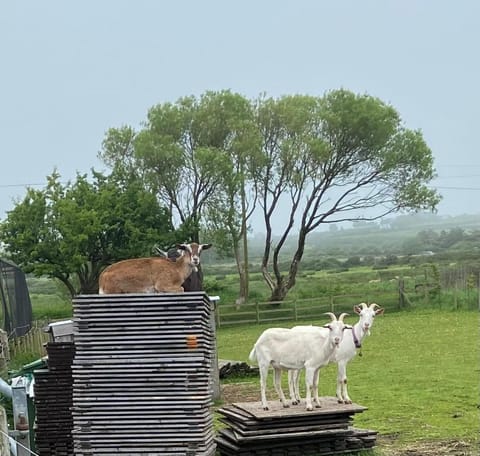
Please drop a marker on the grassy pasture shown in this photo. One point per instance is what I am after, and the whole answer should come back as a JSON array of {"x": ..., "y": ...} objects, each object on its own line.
[{"x": 418, "y": 376}]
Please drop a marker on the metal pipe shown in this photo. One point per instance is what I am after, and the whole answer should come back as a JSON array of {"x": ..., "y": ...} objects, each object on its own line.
[{"x": 5, "y": 388}]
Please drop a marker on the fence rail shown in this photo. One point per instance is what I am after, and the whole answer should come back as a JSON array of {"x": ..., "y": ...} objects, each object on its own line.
[
  {"x": 314, "y": 308},
  {"x": 293, "y": 310}
]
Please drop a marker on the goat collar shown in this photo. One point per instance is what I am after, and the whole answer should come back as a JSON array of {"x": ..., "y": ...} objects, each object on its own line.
[{"x": 356, "y": 341}]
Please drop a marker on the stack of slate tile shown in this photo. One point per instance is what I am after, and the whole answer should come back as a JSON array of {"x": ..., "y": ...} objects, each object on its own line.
[
  {"x": 142, "y": 375},
  {"x": 293, "y": 431},
  {"x": 53, "y": 402}
]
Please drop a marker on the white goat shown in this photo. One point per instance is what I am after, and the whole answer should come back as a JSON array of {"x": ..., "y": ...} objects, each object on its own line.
[
  {"x": 345, "y": 352},
  {"x": 284, "y": 349},
  {"x": 151, "y": 275}
]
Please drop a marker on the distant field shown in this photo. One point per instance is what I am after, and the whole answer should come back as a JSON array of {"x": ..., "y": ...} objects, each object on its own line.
[{"x": 418, "y": 376}]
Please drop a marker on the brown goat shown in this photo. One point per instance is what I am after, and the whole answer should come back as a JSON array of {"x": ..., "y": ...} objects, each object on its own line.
[{"x": 151, "y": 275}]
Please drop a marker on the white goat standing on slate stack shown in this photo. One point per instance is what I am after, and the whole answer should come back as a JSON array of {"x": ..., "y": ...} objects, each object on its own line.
[
  {"x": 284, "y": 349},
  {"x": 345, "y": 352}
]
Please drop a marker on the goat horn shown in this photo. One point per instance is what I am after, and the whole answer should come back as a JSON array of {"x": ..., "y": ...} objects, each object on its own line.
[
  {"x": 373, "y": 305},
  {"x": 342, "y": 316},
  {"x": 364, "y": 306},
  {"x": 331, "y": 315}
]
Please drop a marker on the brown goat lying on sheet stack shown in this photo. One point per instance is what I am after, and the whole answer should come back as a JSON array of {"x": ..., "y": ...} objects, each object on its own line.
[{"x": 151, "y": 275}]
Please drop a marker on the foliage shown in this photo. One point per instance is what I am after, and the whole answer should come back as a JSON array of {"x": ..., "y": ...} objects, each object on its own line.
[
  {"x": 71, "y": 231},
  {"x": 337, "y": 158},
  {"x": 50, "y": 307},
  {"x": 197, "y": 155}
]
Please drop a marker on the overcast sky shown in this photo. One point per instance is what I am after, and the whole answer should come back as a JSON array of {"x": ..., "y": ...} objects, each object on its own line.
[{"x": 71, "y": 70}]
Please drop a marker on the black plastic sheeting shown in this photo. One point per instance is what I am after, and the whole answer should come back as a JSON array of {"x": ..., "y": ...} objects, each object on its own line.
[{"x": 15, "y": 300}]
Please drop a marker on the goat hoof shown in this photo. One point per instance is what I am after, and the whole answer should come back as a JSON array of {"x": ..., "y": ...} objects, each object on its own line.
[
  {"x": 286, "y": 406},
  {"x": 309, "y": 408},
  {"x": 265, "y": 408},
  {"x": 294, "y": 402},
  {"x": 348, "y": 402},
  {"x": 318, "y": 406},
  {"x": 339, "y": 401}
]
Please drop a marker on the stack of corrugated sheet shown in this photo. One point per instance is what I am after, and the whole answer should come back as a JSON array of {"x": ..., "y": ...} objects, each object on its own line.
[
  {"x": 53, "y": 402},
  {"x": 292, "y": 431},
  {"x": 142, "y": 375}
]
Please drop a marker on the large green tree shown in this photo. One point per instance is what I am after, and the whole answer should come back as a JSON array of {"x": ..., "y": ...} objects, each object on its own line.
[
  {"x": 178, "y": 154},
  {"x": 196, "y": 154},
  {"x": 340, "y": 157},
  {"x": 71, "y": 231}
]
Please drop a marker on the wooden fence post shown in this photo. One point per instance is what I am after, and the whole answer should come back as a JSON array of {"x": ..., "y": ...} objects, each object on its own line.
[
  {"x": 4, "y": 442},
  {"x": 401, "y": 292},
  {"x": 478, "y": 291}
]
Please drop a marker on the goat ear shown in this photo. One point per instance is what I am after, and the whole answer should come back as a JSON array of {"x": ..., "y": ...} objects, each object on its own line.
[
  {"x": 161, "y": 253},
  {"x": 357, "y": 309},
  {"x": 379, "y": 311},
  {"x": 327, "y": 326},
  {"x": 181, "y": 246},
  {"x": 206, "y": 246}
]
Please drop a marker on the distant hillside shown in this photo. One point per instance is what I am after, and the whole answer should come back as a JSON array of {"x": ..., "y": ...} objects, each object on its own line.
[{"x": 388, "y": 236}]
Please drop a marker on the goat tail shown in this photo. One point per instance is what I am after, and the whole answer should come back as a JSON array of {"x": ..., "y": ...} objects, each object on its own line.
[{"x": 253, "y": 355}]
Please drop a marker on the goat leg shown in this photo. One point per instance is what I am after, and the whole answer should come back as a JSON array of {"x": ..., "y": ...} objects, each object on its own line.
[
  {"x": 316, "y": 378},
  {"x": 278, "y": 386},
  {"x": 263, "y": 386}
]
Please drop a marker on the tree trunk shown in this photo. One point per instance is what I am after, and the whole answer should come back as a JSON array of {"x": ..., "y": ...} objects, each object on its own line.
[
  {"x": 90, "y": 286},
  {"x": 68, "y": 284},
  {"x": 244, "y": 278},
  {"x": 284, "y": 284},
  {"x": 279, "y": 292},
  {"x": 243, "y": 293},
  {"x": 88, "y": 276}
]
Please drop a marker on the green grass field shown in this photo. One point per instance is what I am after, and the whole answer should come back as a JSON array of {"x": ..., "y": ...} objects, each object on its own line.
[{"x": 418, "y": 376}]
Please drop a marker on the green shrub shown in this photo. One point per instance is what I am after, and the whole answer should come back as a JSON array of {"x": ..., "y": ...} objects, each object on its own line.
[{"x": 50, "y": 307}]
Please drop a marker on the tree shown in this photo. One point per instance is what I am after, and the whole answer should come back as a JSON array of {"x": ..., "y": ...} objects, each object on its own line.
[
  {"x": 341, "y": 157},
  {"x": 178, "y": 154},
  {"x": 196, "y": 155},
  {"x": 72, "y": 231},
  {"x": 231, "y": 206}
]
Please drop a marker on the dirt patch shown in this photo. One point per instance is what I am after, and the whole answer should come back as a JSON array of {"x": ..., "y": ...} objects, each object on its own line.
[
  {"x": 240, "y": 392},
  {"x": 387, "y": 445},
  {"x": 430, "y": 448}
]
